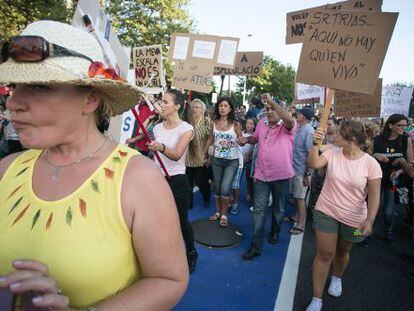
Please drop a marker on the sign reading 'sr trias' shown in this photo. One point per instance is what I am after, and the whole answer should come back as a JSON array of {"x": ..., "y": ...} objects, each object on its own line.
[
  {"x": 297, "y": 22},
  {"x": 246, "y": 64},
  {"x": 344, "y": 50}
]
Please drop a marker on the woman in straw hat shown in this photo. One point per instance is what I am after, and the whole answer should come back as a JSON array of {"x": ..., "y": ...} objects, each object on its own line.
[{"x": 74, "y": 228}]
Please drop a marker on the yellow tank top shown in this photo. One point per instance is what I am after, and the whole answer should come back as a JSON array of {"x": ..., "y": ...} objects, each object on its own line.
[{"x": 83, "y": 237}]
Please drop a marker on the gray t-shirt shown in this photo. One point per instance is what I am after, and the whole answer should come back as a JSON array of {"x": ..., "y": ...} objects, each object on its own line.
[{"x": 303, "y": 144}]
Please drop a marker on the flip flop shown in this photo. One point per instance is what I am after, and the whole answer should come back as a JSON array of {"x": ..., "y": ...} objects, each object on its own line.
[
  {"x": 215, "y": 217},
  {"x": 296, "y": 231},
  {"x": 223, "y": 221}
]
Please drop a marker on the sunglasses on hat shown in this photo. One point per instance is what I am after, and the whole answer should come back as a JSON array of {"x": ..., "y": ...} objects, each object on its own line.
[{"x": 30, "y": 49}]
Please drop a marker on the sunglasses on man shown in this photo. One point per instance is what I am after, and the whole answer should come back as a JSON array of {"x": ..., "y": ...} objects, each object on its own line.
[{"x": 31, "y": 49}]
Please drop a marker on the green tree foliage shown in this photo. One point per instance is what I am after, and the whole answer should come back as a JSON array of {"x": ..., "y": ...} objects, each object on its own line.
[
  {"x": 17, "y": 14},
  {"x": 277, "y": 79},
  {"x": 138, "y": 22},
  {"x": 147, "y": 22}
]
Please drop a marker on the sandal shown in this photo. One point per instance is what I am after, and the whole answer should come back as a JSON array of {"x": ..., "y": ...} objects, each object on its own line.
[
  {"x": 223, "y": 221},
  {"x": 289, "y": 219},
  {"x": 215, "y": 217},
  {"x": 296, "y": 231}
]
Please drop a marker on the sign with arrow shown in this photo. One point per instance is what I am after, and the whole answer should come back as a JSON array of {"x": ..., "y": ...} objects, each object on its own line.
[{"x": 246, "y": 64}]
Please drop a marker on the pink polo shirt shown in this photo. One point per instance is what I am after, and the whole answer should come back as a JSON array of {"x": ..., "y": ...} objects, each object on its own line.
[{"x": 275, "y": 151}]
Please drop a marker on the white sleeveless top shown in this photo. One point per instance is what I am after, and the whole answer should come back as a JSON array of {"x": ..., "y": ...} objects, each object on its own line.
[
  {"x": 170, "y": 139},
  {"x": 225, "y": 143}
]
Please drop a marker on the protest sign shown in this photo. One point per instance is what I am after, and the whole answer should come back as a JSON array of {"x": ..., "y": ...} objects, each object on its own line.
[
  {"x": 90, "y": 17},
  {"x": 345, "y": 50},
  {"x": 305, "y": 92},
  {"x": 351, "y": 104},
  {"x": 192, "y": 77},
  {"x": 247, "y": 64},
  {"x": 395, "y": 99},
  {"x": 205, "y": 50},
  {"x": 149, "y": 72},
  {"x": 296, "y": 22}
]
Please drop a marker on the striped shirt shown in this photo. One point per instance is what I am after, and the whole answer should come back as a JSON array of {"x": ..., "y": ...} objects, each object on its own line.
[{"x": 201, "y": 132}]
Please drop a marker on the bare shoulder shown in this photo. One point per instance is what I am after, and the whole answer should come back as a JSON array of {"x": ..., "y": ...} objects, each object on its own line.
[
  {"x": 142, "y": 179},
  {"x": 5, "y": 162}
]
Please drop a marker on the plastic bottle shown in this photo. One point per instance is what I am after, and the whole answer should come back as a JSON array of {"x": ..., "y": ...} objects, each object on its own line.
[{"x": 394, "y": 180}]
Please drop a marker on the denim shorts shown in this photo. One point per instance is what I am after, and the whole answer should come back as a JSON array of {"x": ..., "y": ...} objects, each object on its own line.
[{"x": 328, "y": 224}]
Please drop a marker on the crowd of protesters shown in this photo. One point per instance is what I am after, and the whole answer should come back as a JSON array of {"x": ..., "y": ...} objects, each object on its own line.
[{"x": 342, "y": 176}]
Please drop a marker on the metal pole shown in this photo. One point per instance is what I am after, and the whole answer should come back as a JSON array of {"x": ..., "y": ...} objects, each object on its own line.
[{"x": 244, "y": 91}]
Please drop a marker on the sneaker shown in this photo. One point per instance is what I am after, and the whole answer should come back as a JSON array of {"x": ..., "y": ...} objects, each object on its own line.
[
  {"x": 234, "y": 210},
  {"x": 335, "y": 288},
  {"x": 366, "y": 242},
  {"x": 388, "y": 236},
  {"x": 251, "y": 208},
  {"x": 315, "y": 305}
]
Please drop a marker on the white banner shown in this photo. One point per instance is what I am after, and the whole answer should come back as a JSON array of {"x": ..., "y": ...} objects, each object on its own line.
[
  {"x": 395, "y": 99},
  {"x": 128, "y": 118},
  {"x": 90, "y": 17},
  {"x": 305, "y": 91}
]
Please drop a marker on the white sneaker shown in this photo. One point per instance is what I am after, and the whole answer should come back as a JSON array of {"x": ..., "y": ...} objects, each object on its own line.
[
  {"x": 251, "y": 208},
  {"x": 315, "y": 305},
  {"x": 335, "y": 288}
]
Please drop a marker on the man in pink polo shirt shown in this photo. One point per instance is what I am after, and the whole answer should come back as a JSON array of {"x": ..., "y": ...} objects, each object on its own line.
[{"x": 275, "y": 135}]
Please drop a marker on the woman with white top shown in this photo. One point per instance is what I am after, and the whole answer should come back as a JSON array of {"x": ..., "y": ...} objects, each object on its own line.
[
  {"x": 172, "y": 138},
  {"x": 226, "y": 156}
]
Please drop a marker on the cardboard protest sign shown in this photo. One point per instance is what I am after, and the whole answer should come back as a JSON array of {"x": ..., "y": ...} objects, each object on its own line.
[
  {"x": 345, "y": 50},
  {"x": 192, "y": 77},
  {"x": 206, "y": 50},
  {"x": 149, "y": 72},
  {"x": 297, "y": 22},
  {"x": 395, "y": 99},
  {"x": 90, "y": 17},
  {"x": 247, "y": 64},
  {"x": 351, "y": 104},
  {"x": 305, "y": 92}
]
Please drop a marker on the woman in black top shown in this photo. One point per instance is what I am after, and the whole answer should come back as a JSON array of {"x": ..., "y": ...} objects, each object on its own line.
[{"x": 391, "y": 144}]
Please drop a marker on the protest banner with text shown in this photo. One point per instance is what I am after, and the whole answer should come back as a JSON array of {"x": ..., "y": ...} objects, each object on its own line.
[
  {"x": 247, "y": 64},
  {"x": 194, "y": 77},
  {"x": 306, "y": 92},
  {"x": 205, "y": 50},
  {"x": 296, "y": 22},
  {"x": 345, "y": 49},
  {"x": 351, "y": 104},
  {"x": 149, "y": 72},
  {"x": 90, "y": 17},
  {"x": 396, "y": 99}
]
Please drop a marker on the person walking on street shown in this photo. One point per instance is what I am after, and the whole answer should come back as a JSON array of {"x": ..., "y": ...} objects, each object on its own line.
[
  {"x": 226, "y": 156},
  {"x": 172, "y": 138},
  {"x": 391, "y": 144},
  {"x": 342, "y": 215},
  {"x": 274, "y": 135},
  {"x": 302, "y": 179},
  {"x": 196, "y": 168}
]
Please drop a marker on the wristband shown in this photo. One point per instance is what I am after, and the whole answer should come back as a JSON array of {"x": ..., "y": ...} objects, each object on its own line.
[{"x": 315, "y": 143}]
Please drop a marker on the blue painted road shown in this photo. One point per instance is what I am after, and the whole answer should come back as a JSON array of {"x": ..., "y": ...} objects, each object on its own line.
[{"x": 223, "y": 280}]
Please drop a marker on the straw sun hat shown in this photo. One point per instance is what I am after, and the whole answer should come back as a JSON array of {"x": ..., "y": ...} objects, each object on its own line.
[{"x": 69, "y": 70}]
